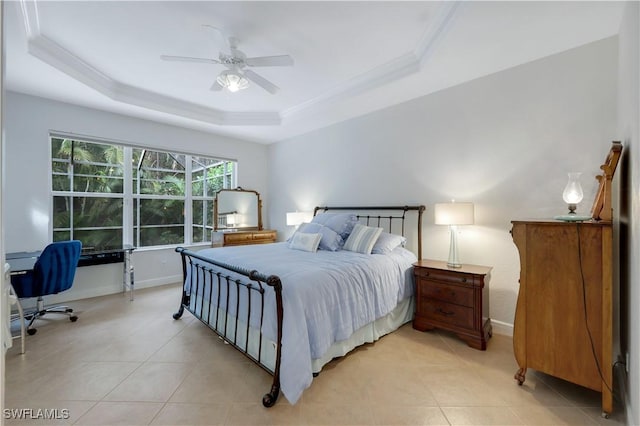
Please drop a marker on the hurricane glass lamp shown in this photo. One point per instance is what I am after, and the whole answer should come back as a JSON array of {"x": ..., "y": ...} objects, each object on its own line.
[
  {"x": 572, "y": 193},
  {"x": 454, "y": 214}
]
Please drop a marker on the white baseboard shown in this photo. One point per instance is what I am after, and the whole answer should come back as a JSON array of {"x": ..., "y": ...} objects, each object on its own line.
[
  {"x": 114, "y": 289},
  {"x": 502, "y": 328},
  {"x": 79, "y": 294},
  {"x": 159, "y": 281},
  {"x": 499, "y": 327}
]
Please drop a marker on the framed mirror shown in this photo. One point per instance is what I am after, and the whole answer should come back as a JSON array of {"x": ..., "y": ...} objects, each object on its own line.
[
  {"x": 237, "y": 209},
  {"x": 601, "y": 210}
]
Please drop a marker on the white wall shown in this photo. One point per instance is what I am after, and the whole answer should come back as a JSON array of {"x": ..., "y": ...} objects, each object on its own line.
[
  {"x": 504, "y": 142},
  {"x": 3, "y": 292},
  {"x": 27, "y": 188},
  {"x": 628, "y": 127}
]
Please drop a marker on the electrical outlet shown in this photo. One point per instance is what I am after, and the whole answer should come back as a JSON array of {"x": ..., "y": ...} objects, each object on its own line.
[{"x": 626, "y": 362}]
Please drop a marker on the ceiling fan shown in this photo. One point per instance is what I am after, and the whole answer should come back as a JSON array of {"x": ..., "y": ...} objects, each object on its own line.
[{"x": 236, "y": 76}]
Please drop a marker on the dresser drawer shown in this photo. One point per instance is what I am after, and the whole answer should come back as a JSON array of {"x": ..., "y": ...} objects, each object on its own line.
[
  {"x": 446, "y": 276},
  {"x": 264, "y": 236},
  {"x": 457, "y": 294},
  {"x": 238, "y": 237},
  {"x": 448, "y": 313}
]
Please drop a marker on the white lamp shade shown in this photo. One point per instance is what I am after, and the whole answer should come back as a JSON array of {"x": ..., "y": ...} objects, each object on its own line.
[
  {"x": 454, "y": 214},
  {"x": 233, "y": 219},
  {"x": 296, "y": 218}
]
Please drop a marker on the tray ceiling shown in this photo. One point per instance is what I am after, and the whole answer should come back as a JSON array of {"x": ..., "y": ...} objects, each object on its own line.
[{"x": 351, "y": 58}]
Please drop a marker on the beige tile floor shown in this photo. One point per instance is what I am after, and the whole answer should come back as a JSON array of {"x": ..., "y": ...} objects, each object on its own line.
[{"x": 130, "y": 363}]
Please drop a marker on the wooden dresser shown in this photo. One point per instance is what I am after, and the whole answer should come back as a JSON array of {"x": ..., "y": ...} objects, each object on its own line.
[
  {"x": 563, "y": 321},
  {"x": 454, "y": 299},
  {"x": 238, "y": 238}
]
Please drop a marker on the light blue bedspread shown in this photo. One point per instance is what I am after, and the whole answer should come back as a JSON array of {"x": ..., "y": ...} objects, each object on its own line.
[{"x": 326, "y": 297}]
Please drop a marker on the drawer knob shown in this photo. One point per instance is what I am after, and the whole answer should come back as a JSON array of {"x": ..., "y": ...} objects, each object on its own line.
[
  {"x": 443, "y": 312},
  {"x": 464, "y": 280}
]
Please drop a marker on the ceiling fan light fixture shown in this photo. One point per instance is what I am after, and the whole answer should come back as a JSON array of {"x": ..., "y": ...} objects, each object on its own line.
[{"x": 232, "y": 81}]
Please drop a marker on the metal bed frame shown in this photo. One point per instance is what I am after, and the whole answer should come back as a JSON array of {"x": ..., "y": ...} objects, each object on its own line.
[{"x": 202, "y": 274}]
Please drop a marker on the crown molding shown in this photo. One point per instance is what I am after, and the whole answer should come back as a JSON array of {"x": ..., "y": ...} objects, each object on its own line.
[
  {"x": 376, "y": 77},
  {"x": 434, "y": 33},
  {"x": 55, "y": 55},
  {"x": 393, "y": 70}
]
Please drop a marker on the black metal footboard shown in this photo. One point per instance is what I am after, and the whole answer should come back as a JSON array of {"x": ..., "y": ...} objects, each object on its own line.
[{"x": 219, "y": 294}]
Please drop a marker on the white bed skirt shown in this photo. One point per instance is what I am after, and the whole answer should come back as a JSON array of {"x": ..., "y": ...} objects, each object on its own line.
[{"x": 369, "y": 333}]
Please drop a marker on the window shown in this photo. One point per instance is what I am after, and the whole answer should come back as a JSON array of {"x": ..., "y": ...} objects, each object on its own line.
[
  {"x": 159, "y": 188},
  {"x": 106, "y": 195},
  {"x": 208, "y": 176}
]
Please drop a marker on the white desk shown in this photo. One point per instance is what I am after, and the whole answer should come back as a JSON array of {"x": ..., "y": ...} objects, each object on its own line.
[{"x": 23, "y": 262}]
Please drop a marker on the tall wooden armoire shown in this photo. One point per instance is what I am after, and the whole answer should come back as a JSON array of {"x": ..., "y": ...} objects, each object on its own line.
[{"x": 563, "y": 321}]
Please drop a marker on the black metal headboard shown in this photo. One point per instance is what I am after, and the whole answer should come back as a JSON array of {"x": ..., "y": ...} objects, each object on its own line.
[{"x": 392, "y": 222}]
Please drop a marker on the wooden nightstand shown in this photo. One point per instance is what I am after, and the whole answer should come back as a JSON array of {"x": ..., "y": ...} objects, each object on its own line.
[
  {"x": 453, "y": 299},
  {"x": 241, "y": 238}
]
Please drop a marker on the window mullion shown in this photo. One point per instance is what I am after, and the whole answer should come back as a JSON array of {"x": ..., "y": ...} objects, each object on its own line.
[
  {"x": 205, "y": 193},
  {"x": 127, "y": 205},
  {"x": 138, "y": 199},
  {"x": 188, "y": 203},
  {"x": 71, "y": 199}
]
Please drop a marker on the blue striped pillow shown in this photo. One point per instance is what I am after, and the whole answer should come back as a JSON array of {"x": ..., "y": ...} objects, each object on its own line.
[{"x": 362, "y": 239}]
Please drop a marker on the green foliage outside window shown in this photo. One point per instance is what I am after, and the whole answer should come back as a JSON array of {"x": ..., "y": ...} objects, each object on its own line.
[{"x": 88, "y": 183}]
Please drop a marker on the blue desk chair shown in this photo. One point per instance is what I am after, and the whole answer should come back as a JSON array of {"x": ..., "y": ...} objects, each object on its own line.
[{"x": 52, "y": 273}]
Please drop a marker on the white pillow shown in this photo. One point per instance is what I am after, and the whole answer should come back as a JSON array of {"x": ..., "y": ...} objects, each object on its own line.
[
  {"x": 305, "y": 242},
  {"x": 362, "y": 239}
]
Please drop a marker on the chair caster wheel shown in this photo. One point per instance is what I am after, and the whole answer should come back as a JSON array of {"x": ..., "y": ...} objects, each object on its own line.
[
  {"x": 68, "y": 310},
  {"x": 73, "y": 318},
  {"x": 31, "y": 331}
]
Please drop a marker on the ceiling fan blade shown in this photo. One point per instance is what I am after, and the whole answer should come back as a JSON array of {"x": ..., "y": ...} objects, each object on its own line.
[
  {"x": 188, "y": 59},
  {"x": 270, "y": 61},
  {"x": 221, "y": 40},
  {"x": 261, "y": 81},
  {"x": 216, "y": 86}
]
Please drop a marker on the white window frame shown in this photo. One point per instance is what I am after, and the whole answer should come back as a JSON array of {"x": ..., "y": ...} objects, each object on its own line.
[{"x": 129, "y": 197}]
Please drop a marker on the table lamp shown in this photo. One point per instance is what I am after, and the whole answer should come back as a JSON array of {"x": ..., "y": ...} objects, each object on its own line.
[
  {"x": 233, "y": 219},
  {"x": 453, "y": 214},
  {"x": 297, "y": 218}
]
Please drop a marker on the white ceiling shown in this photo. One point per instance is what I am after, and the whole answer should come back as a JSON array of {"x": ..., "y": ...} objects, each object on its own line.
[{"x": 351, "y": 58}]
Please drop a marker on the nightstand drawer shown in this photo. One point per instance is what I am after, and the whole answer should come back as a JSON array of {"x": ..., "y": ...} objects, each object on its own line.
[
  {"x": 447, "y": 293},
  {"x": 446, "y": 276},
  {"x": 448, "y": 313}
]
